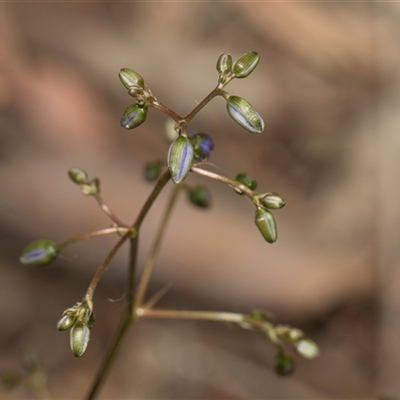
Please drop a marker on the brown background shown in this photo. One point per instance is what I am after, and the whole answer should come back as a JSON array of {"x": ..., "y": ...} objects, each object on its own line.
[{"x": 327, "y": 88}]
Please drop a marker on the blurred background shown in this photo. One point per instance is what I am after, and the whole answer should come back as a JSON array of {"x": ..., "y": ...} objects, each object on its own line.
[{"x": 327, "y": 88}]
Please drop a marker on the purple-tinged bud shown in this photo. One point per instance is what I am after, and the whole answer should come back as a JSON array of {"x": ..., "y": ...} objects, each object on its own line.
[
  {"x": 242, "y": 112},
  {"x": 133, "y": 116},
  {"x": 40, "y": 252},
  {"x": 266, "y": 224},
  {"x": 202, "y": 144},
  {"x": 180, "y": 157}
]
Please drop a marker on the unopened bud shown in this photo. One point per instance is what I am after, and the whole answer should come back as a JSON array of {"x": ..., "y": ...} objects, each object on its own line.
[
  {"x": 40, "y": 252},
  {"x": 224, "y": 63},
  {"x": 202, "y": 144},
  {"x": 92, "y": 188},
  {"x": 246, "y": 180},
  {"x": 307, "y": 348},
  {"x": 272, "y": 201},
  {"x": 152, "y": 171},
  {"x": 78, "y": 175},
  {"x": 200, "y": 196},
  {"x": 266, "y": 224},
  {"x": 180, "y": 157},
  {"x": 242, "y": 112},
  {"x": 79, "y": 338},
  {"x": 66, "y": 321},
  {"x": 133, "y": 116},
  {"x": 284, "y": 364},
  {"x": 246, "y": 64},
  {"x": 130, "y": 78}
]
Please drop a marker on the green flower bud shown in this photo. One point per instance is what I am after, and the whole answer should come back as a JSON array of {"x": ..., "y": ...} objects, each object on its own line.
[
  {"x": 246, "y": 64},
  {"x": 133, "y": 116},
  {"x": 242, "y": 112},
  {"x": 180, "y": 157},
  {"x": 266, "y": 224},
  {"x": 202, "y": 144},
  {"x": 224, "y": 63},
  {"x": 78, "y": 176},
  {"x": 307, "y": 348},
  {"x": 246, "y": 180},
  {"x": 130, "y": 78},
  {"x": 272, "y": 201},
  {"x": 66, "y": 321},
  {"x": 79, "y": 338},
  {"x": 40, "y": 252},
  {"x": 92, "y": 188},
  {"x": 200, "y": 196},
  {"x": 284, "y": 364},
  {"x": 152, "y": 171}
]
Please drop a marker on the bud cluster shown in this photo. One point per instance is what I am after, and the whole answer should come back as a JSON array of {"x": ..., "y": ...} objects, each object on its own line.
[
  {"x": 81, "y": 178},
  {"x": 79, "y": 319}
]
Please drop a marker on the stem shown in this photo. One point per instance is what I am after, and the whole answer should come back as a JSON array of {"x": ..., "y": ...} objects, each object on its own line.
[
  {"x": 107, "y": 210},
  {"x": 110, "y": 357},
  {"x": 151, "y": 260},
  {"x": 162, "y": 181},
  {"x": 134, "y": 244},
  {"x": 166, "y": 110},
  {"x": 89, "y": 235},
  {"x": 195, "y": 315},
  {"x": 223, "y": 179},
  {"x": 202, "y": 104},
  {"x": 103, "y": 267}
]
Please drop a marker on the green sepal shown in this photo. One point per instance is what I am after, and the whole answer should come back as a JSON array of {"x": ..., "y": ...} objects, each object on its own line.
[
  {"x": 180, "y": 157},
  {"x": 246, "y": 64},
  {"x": 133, "y": 116},
  {"x": 243, "y": 113},
  {"x": 39, "y": 252},
  {"x": 266, "y": 224}
]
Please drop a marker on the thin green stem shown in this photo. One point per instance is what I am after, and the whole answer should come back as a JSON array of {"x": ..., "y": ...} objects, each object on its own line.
[
  {"x": 166, "y": 110},
  {"x": 110, "y": 357},
  {"x": 152, "y": 258},
  {"x": 134, "y": 245},
  {"x": 79, "y": 238}
]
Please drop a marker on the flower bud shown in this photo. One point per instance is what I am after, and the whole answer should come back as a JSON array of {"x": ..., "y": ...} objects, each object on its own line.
[
  {"x": 307, "y": 348},
  {"x": 246, "y": 180},
  {"x": 200, "y": 196},
  {"x": 202, "y": 144},
  {"x": 130, "y": 78},
  {"x": 152, "y": 171},
  {"x": 180, "y": 157},
  {"x": 246, "y": 64},
  {"x": 242, "y": 112},
  {"x": 78, "y": 176},
  {"x": 266, "y": 224},
  {"x": 79, "y": 338},
  {"x": 133, "y": 116},
  {"x": 272, "y": 201},
  {"x": 284, "y": 364},
  {"x": 224, "y": 63},
  {"x": 40, "y": 252},
  {"x": 66, "y": 321}
]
